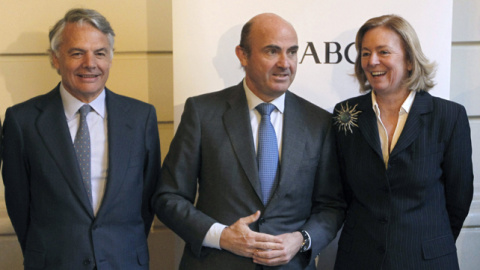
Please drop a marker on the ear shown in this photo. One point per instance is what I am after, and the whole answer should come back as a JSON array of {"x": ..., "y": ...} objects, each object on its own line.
[
  {"x": 242, "y": 56},
  {"x": 55, "y": 61}
]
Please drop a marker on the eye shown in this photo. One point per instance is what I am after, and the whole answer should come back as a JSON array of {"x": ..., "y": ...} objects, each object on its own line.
[
  {"x": 365, "y": 54},
  {"x": 293, "y": 52},
  {"x": 384, "y": 52},
  {"x": 76, "y": 54},
  {"x": 101, "y": 53},
  {"x": 271, "y": 51}
]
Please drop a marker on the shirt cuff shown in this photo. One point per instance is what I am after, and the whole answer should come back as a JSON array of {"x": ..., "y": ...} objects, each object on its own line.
[
  {"x": 212, "y": 239},
  {"x": 309, "y": 242}
]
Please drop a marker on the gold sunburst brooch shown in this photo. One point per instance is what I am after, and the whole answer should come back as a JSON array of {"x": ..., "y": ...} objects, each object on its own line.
[{"x": 346, "y": 118}]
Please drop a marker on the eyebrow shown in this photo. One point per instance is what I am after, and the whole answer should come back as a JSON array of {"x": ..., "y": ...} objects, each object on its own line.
[
  {"x": 101, "y": 49},
  {"x": 295, "y": 47},
  {"x": 75, "y": 49},
  {"x": 376, "y": 48},
  {"x": 276, "y": 47},
  {"x": 83, "y": 50},
  {"x": 271, "y": 46}
]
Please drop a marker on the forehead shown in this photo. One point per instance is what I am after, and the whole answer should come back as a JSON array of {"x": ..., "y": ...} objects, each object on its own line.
[
  {"x": 84, "y": 34},
  {"x": 273, "y": 33},
  {"x": 381, "y": 36}
]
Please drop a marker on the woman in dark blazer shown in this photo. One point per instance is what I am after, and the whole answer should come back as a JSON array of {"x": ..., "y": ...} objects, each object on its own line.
[{"x": 406, "y": 158}]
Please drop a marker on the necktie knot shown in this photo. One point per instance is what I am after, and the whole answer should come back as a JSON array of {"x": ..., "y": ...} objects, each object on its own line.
[
  {"x": 265, "y": 108},
  {"x": 84, "y": 110}
]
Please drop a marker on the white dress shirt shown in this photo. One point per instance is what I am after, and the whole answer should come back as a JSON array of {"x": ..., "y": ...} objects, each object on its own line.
[
  {"x": 212, "y": 238},
  {"x": 97, "y": 127},
  {"x": 402, "y": 119}
]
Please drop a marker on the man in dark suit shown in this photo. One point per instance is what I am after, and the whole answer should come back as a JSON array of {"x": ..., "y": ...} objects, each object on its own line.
[
  {"x": 77, "y": 187},
  {"x": 284, "y": 222}
]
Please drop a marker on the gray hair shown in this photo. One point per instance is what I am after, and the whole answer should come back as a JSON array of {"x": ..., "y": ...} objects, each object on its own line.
[{"x": 80, "y": 16}]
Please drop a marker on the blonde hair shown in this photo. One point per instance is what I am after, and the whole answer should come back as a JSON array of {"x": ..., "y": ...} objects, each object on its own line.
[{"x": 423, "y": 71}]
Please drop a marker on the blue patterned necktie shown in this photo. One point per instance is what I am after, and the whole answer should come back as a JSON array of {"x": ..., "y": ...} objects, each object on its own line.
[
  {"x": 267, "y": 153},
  {"x": 82, "y": 149}
]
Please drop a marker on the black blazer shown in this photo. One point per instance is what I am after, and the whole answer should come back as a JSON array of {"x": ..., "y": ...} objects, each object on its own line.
[
  {"x": 45, "y": 196},
  {"x": 214, "y": 147},
  {"x": 409, "y": 215}
]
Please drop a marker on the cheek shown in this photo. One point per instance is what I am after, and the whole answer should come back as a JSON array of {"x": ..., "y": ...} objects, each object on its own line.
[
  {"x": 70, "y": 66},
  {"x": 364, "y": 66},
  {"x": 293, "y": 66},
  {"x": 105, "y": 67}
]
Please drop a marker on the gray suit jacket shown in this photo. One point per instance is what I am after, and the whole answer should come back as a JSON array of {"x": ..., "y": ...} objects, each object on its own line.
[
  {"x": 409, "y": 215},
  {"x": 45, "y": 196},
  {"x": 213, "y": 147}
]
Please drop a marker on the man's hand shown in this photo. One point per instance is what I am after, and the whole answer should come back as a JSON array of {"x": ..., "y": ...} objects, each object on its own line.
[
  {"x": 292, "y": 242},
  {"x": 240, "y": 240}
]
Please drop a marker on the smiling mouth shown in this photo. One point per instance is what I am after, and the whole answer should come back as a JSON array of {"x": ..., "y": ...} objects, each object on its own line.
[
  {"x": 88, "y": 75},
  {"x": 378, "y": 73}
]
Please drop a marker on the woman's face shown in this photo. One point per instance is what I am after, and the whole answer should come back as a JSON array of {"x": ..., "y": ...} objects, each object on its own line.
[{"x": 383, "y": 60}]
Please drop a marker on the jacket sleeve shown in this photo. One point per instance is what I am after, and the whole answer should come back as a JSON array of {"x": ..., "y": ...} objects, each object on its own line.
[
  {"x": 328, "y": 207},
  {"x": 458, "y": 172},
  {"x": 175, "y": 195},
  {"x": 151, "y": 167},
  {"x": 15, "y": 172}
]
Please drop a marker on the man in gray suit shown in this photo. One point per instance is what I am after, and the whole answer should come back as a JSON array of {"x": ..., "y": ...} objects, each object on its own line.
[
  {"x": 81, "y": 162},
  {"x": 239, "y": 221}
]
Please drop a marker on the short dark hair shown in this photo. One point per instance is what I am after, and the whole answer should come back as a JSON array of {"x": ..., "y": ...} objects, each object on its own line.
[{"x": 245, "y": 38}]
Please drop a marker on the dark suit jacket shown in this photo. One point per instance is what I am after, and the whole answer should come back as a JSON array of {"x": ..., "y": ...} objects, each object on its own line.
[
  {"x": 214, "y": 147},
  {"x": 45, "y": 196},
  {"x": 409, "y": 215}
]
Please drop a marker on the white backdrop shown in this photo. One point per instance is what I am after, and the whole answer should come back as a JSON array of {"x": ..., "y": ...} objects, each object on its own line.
[{"x": 205, "y": 33}]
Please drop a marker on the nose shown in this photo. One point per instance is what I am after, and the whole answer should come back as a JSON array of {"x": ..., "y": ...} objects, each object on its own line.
[
  {"x": 283, "y": 61},
  {"x": 89, "y": 61},
  {"x": 373, "y": 59}
]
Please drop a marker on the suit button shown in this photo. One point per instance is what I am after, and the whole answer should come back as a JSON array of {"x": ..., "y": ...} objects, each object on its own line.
[
  {"x": 87, "y": 262},
  {"x": 383, "y": 220},
  {"x": 381, "y": 250},
  {"x": 261, "y": 221}
]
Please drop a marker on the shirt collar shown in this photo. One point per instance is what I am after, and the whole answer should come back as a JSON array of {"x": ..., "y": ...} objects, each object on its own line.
[
  {"x": 253, "y": 101},
  {"x": 406, "y": 106},
  {"x": 71, "y": 105}
]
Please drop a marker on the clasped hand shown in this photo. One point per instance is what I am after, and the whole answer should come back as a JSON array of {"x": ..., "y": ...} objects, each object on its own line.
[{"x": 264, "y": 248}]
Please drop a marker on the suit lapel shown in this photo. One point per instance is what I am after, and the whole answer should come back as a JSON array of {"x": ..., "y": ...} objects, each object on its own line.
[
  {"x": 53, "y": 129},
  {"x": 237, "y": 124},
  {"x": 422, "y": 104},
  {"x": 120, "y": 137},
  {"x": 367, "y": 123},
  {"x": 292, "y": 146}
]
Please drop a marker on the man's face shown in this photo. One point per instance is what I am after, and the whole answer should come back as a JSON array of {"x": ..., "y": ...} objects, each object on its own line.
[
  {"x": 83, "y": 60},
  {"x": 272, "y": 63}
]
